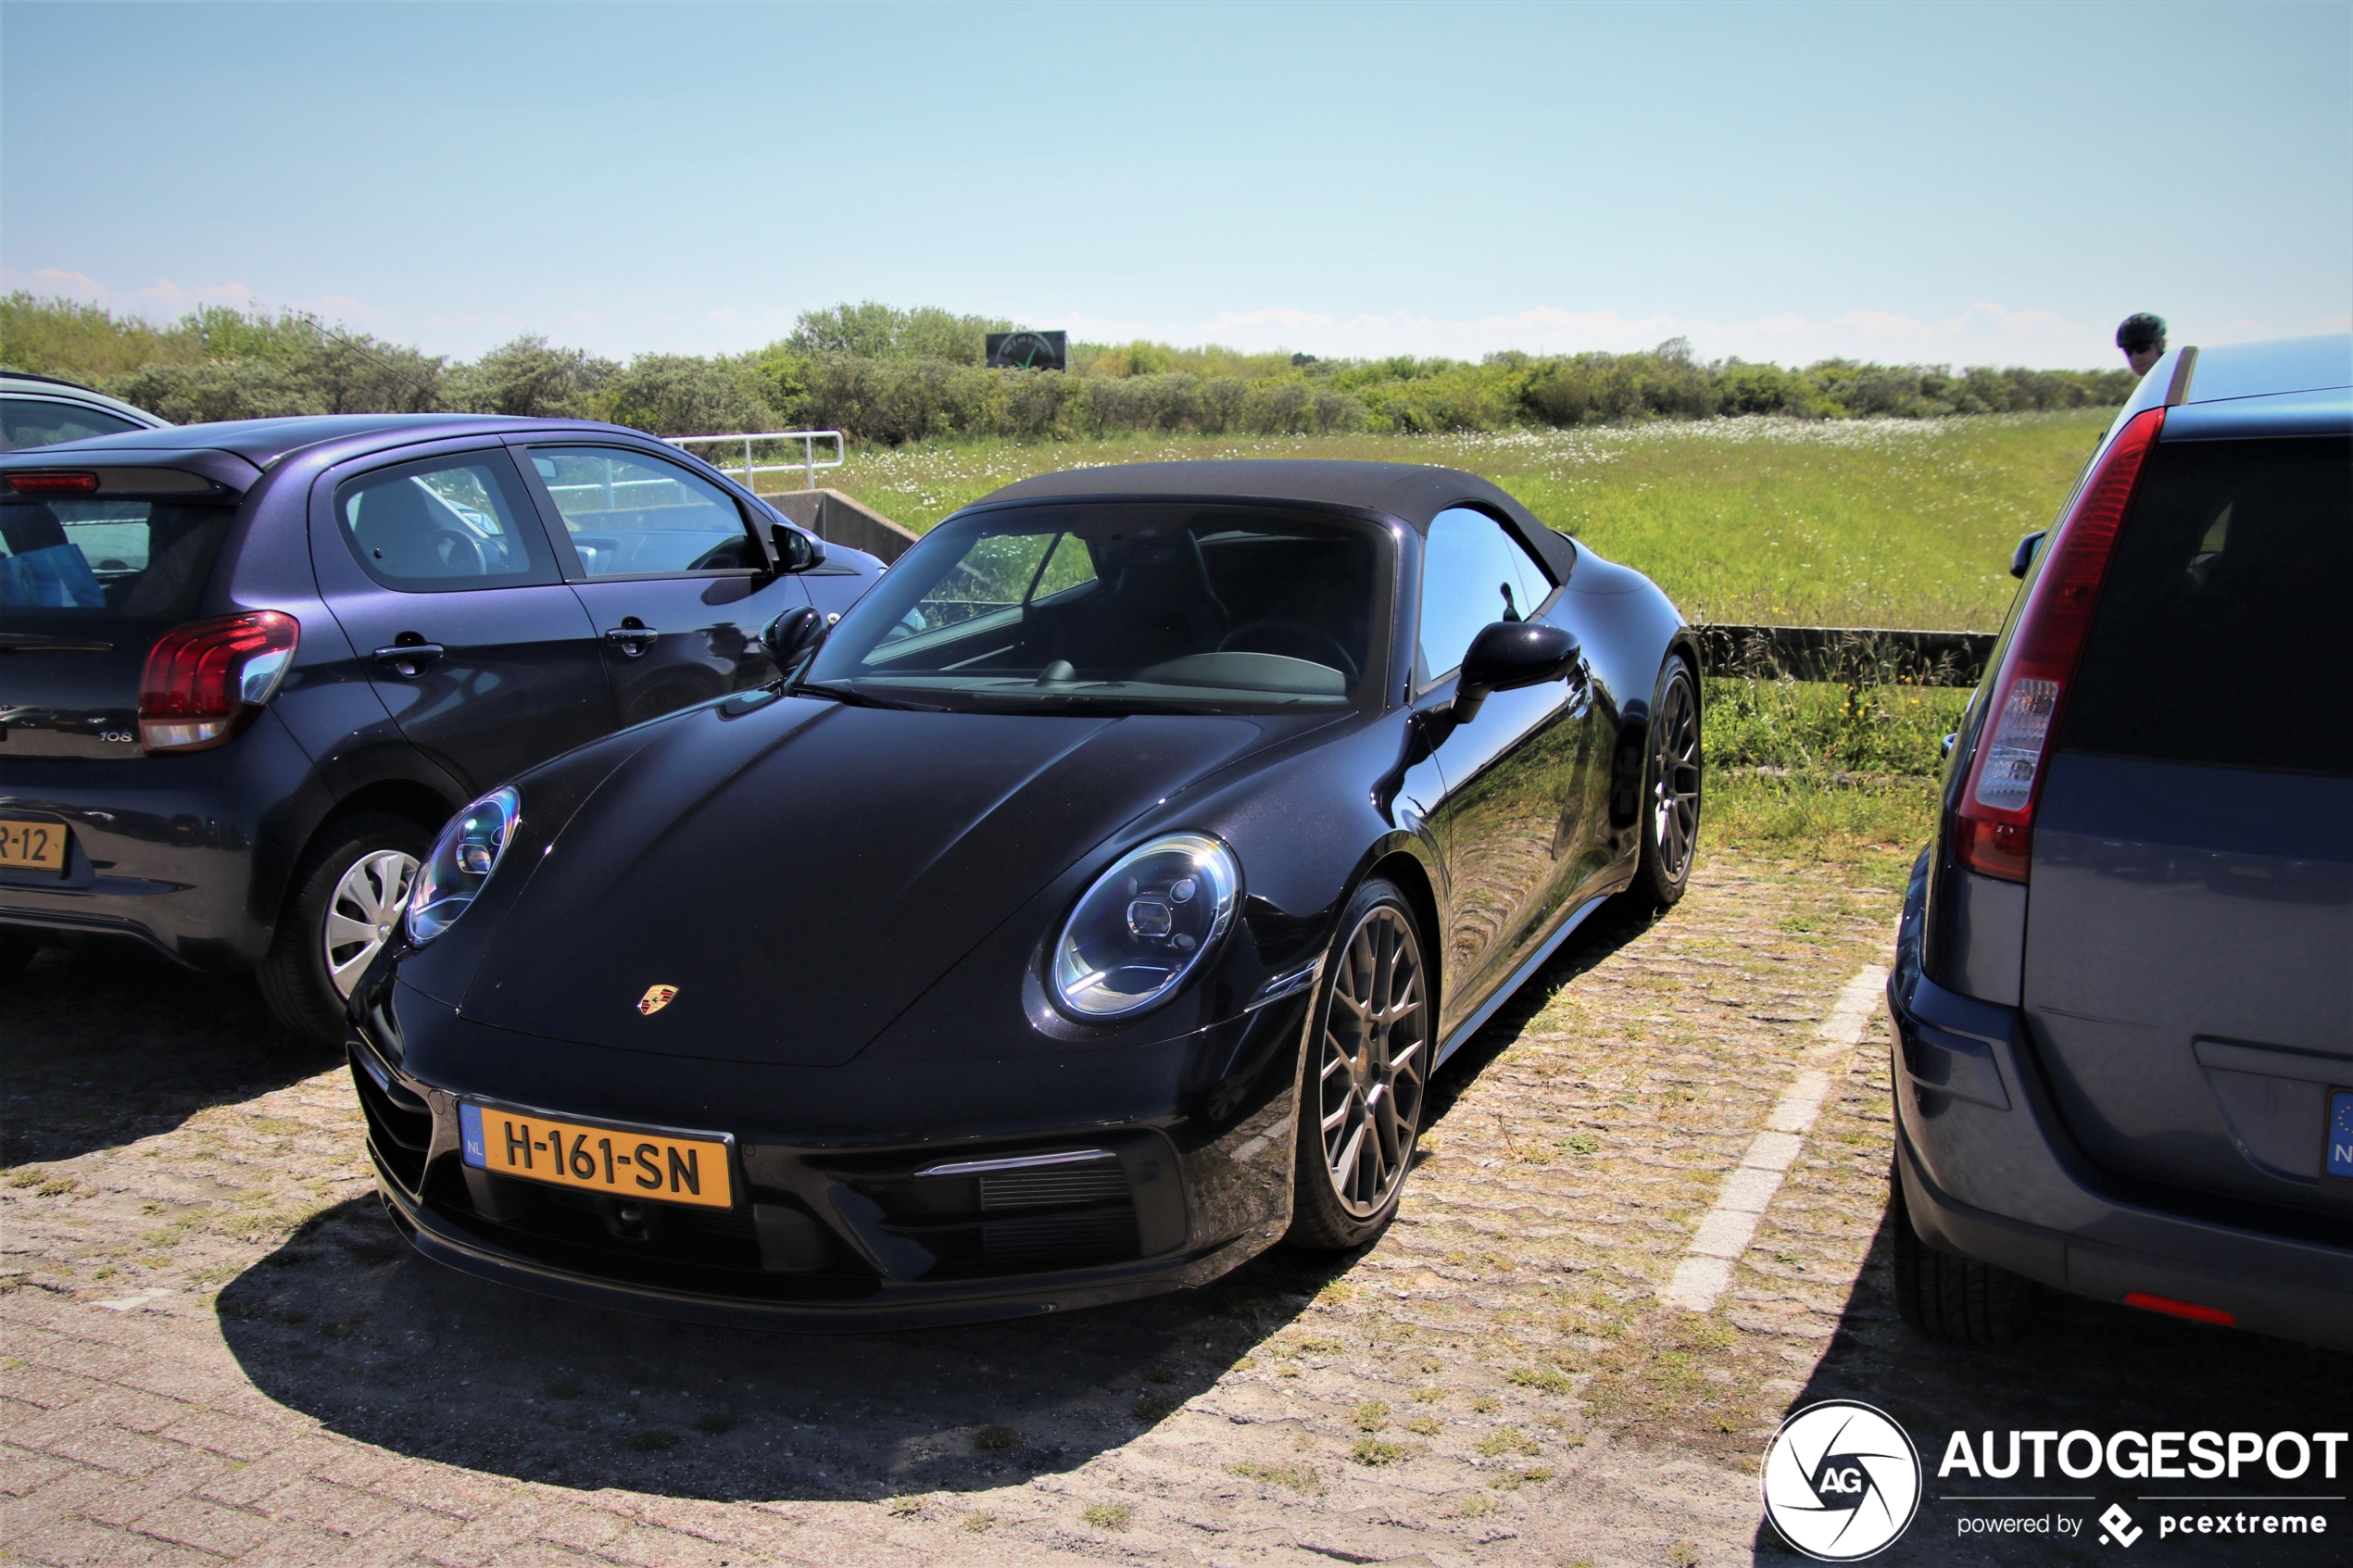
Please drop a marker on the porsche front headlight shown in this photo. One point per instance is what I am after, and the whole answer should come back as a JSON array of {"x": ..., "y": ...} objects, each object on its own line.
[
  {"x": 461, "y": 861},
  {"x": 1144, "y": 925}
]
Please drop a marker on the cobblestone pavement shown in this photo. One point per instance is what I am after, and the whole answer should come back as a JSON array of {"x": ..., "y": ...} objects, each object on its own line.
[{"x": 213, "y": 1347}]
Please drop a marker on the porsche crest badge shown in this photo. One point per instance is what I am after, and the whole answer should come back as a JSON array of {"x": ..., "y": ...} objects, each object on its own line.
[{"x": 656, "y": 999}]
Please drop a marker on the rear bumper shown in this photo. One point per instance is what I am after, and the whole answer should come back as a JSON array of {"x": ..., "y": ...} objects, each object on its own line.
[
  {"x": 186, "y": 854},
  {"x": 1989, "y": 1173}
]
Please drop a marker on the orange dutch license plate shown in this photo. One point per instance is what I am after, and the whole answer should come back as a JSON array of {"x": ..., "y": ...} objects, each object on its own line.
[
  {"x": 32, "y": 847},
  {"x": 617, "y": 1161}
]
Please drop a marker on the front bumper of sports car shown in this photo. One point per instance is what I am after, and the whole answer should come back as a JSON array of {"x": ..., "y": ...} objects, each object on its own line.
[{"x": 872, "y": 1195}]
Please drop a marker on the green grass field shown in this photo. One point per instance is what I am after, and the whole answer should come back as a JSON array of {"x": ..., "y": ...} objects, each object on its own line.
[
  {"x": 1877, "y": 522},
  {"x": 1860, "y": 522}
]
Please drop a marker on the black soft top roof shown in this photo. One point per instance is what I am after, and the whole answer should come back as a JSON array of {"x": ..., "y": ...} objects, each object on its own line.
[{"x": 1413, "y": 493}]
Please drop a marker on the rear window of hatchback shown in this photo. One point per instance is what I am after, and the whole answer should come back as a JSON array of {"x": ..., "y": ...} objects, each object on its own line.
[{"x": 2218, "y": 639}]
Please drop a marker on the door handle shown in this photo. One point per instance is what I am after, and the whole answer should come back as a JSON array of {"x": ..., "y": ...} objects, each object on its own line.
[
  {"x": 407, "y": 659},
  {"x": 633, "y": 635}
]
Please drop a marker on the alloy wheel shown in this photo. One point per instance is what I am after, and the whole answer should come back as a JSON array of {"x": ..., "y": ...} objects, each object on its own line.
[
  {"x": 1373, "y": 1061},
  {"x": 1675, "y": 772},
  {"x": 361, "y": 914}
]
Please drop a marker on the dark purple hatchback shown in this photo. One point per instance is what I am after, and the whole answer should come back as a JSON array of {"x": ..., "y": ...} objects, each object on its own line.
[{"x": 247, "y": 670}]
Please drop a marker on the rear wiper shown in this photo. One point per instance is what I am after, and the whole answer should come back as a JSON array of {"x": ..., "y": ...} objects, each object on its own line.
[
  {"x": 855, "y": 698},
  {"x": 42, "y": 642}
]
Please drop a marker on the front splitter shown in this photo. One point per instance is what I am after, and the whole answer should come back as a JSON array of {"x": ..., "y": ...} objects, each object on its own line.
[{"x": 990, "y": 1301}]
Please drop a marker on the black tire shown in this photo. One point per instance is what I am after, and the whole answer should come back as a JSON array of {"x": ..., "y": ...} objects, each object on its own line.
[
  {"x": 1374, "y": 995},
  {"x": 17, "y": 948},
  {"x": 295, "y": 977},
  {"x": 1671, "y": 779},
  {"x": 1951, "y": 1297}
]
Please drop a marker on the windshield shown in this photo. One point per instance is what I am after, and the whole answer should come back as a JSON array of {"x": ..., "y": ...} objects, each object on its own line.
[{"x": 1130, "y": 606}]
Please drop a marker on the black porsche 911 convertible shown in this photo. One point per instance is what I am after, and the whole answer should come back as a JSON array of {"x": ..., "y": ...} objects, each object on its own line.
[{"x": 1086, "y": 913}]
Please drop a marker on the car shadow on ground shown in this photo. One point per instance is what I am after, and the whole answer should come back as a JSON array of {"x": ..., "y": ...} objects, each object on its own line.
[
  {"x": 107, "y": 1041},
  {"x": 1607, "y": 929},
  {"x": 345, "y": 1324},
  {"x": 2088, "y": 1365}
]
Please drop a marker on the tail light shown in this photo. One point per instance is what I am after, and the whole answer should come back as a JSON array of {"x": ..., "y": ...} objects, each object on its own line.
[
  {"x": 1994, "y": 829},
  {"x": 2172, "y": 1309},
  {"x": 206, "y": 680},
  {"x": 53, "y": 483}
]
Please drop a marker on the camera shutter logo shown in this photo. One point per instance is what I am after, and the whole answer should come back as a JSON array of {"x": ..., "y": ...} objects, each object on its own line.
[{"x": 1840, "y": 1480}]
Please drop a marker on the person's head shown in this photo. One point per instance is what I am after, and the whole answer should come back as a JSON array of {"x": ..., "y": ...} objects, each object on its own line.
[{"x": 2142, "y": 337}]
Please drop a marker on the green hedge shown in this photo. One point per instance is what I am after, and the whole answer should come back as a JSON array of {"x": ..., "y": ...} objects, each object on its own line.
[{"x": 891, "y": 376}]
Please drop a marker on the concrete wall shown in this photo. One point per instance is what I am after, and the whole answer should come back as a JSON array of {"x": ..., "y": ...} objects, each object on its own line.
[{"x": 838, "y": 520}]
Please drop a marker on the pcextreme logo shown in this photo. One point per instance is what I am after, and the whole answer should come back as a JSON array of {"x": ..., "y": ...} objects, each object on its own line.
[{"x": 1842, "y": 1480}]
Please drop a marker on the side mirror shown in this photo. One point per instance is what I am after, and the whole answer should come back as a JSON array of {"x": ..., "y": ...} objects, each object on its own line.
[
  {"x": 790, "y": 637},
  {"x": 1507, "y": 656},
  {"x": 2024, "y": 557},
  {"x": 796, "y": 551}
]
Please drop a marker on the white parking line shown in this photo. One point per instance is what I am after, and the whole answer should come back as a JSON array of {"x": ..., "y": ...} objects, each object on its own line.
[{"x": 1731, "y": 1224}]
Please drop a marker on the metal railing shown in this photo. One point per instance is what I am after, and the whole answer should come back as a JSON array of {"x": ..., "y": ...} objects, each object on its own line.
[{"x": 809, "y": 462}]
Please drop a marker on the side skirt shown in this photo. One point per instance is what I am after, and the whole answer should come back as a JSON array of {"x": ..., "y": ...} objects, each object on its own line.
[{"x": 1504, "y": 992}]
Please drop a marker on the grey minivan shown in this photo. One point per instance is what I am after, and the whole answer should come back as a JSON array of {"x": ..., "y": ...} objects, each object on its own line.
[{"x": 2124, "y": 990}]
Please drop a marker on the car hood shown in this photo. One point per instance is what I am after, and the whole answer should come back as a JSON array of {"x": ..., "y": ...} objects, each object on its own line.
[{"x": 801, "y": 874}]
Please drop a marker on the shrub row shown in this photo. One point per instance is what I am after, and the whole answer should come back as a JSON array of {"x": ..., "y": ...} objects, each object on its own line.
[{"x": 891, "y": 376}]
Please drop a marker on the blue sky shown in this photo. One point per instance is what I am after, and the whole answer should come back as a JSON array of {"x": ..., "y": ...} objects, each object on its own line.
[{"x": 1975, "y": 184}]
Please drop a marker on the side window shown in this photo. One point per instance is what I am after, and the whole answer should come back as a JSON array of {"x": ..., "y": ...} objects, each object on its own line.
[
  {"x": 1068, "y": 565},
  {"x": 41, "y": 422},
  {"x": 1001, "y": 572},
  {"x": 1474, "y": 573},
  {"x": 634, "y": 516},
  {"x": 445, "y": 524}
]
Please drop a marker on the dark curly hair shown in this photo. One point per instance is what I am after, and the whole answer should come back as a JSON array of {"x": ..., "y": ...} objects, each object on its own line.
[{"x": 2140, "y": 332}]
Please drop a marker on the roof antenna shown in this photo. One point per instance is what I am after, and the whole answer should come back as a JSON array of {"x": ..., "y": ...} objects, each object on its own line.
[{"x": 257, "y": 302}]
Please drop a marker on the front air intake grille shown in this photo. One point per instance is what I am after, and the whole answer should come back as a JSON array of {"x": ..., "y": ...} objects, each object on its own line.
[
  {"x": 401, "y": 1133},
  {"x": 1103, "y": 1182},
  {"x": 1073, "y": 1238}
]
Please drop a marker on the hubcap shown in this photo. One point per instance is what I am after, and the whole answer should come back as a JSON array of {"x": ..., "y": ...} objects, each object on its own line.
[
  {"x": 361, "y": 914},
  {"x": 1373, "y": 1062},
  {"x": 1675, "y": 772}
]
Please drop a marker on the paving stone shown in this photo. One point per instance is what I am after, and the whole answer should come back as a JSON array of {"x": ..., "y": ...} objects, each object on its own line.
[
  {"x": 404, "y": 1539},
  {"x": 23, "y": 1472},
  {"x": 207, "y": 1526},
  {"x": 337, "y": 1510},
  {"x": 487, "y": 1539},
  {"x": 296, "y": 1545},
  {"x": 103, "y": 1496},
  {"x": 45, "y": 1387},
  {"x": 443, "y": 1489},
  {"x": 108, "y": 1448},
  {"x": 579, "y": 1526},
  {"x": 359, "y": 1405},
  {"x": 133, "y": 1410},
  {"x": 69, "y": 1542},
  {"x": 651, "y": 1547},
  {"x": 234, "y": 1436}
]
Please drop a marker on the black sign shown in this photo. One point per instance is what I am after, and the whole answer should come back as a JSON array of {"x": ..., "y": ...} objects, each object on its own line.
[{"x": 1029, "y": 351}]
